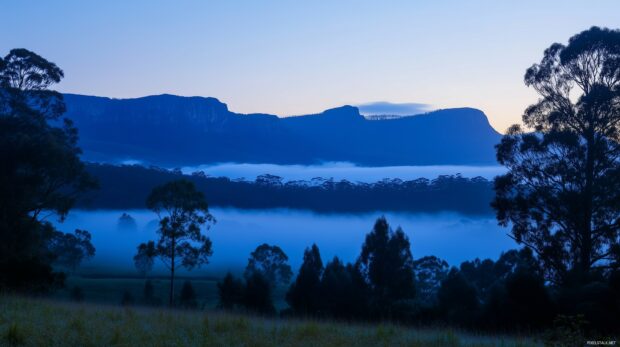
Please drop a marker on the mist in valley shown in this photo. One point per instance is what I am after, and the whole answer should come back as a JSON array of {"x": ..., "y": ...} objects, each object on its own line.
[{"x": 238, "y": 232}]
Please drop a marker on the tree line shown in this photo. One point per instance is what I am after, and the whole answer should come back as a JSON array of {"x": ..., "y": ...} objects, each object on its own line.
[
  {"x": 127, "y": 187},
  {"x": 385, "y": 283}
]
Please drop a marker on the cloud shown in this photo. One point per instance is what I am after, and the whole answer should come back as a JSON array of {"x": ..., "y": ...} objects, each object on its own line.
[{"x": 395, "y": 109}]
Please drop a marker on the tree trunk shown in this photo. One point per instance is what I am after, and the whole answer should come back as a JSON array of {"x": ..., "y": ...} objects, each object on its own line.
[
  {"x": 586, "y": 232},
  {"x": 171, "y": 285},
  {"x": 172, "y": 254}
]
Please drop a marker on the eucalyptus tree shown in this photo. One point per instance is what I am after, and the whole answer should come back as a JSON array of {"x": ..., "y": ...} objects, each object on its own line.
[
  {"x": 561, "y": 194},
  {"x": 183, "y": 218},
  {"x": 41, "y": 175}
]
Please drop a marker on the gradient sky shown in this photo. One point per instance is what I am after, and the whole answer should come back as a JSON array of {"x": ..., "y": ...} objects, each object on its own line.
[{"x": 299, "y": 57}]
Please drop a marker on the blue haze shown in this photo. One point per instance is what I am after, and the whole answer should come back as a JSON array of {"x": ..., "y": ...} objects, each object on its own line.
[{"x": 452, "y": 237}]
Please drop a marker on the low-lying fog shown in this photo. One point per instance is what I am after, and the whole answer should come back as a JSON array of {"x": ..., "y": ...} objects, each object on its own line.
[
  {"x": 450, "y": 236},
  {"x": 340, "y": 171}
]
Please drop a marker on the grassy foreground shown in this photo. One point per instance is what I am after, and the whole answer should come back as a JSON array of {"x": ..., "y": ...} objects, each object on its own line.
[
  {"x": 109, "y": 290},
  {"x": 40, "y": 322}
]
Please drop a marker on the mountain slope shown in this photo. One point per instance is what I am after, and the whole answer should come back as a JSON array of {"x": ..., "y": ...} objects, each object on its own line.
[{"x": 174, "y": 130}]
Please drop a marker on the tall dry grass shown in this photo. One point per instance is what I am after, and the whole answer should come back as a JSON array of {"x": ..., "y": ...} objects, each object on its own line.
[{"x": 41, "y": 322}]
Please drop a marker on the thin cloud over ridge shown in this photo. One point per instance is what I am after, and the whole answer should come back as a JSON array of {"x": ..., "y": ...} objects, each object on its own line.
[{"x": 395, "y": 109}]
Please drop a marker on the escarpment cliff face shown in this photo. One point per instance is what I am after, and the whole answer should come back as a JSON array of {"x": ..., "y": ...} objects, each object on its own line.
[{"x": 174, "y": 130}]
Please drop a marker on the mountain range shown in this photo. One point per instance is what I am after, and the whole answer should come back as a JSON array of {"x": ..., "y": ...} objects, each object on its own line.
[{"x": 171, "y": 130}]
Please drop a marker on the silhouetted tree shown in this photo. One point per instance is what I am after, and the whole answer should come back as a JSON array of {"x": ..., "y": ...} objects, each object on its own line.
[
  {"x": 343, "y": 291},
  {"x": 387, "y": 264},
  {"x": 145, "y": 257},
  {"x": 520, "y": 301},
  {"x": 429, "y": 272},
  {"x": 257, "y": 294},
  {"x": 304, "y": 294},
  {"x": 148, "y": 294},
  {"x": 41, "y": 170},
  {"x": 230, "y": 292},
  {"x": 484, "y": 274},
  {"x": 187, "y": 299},
  {"x": 458, "y": 299},
  {"x": 71, "y": 249},
  {"x": 183, "y": 213},
  {"x": 480, "y": 274},
  {"x": 513, "y": 261},
  {"x": 127, "y": 222},
  {"x": 561, "y": 194},
  {"x": 271, "y": 262}
]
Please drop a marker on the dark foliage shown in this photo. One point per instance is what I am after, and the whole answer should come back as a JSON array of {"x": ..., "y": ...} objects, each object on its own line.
[
  {"x": 271, "y": 262},
  {"x": 386, "y": 264},
  {"x": 596, "y": 301},
  {"x": 187, "y": 298},
  {"x": 148, "y": 295},
  {"x": 230, "y": 292},
  {"x": 458, "y": 300},
  {"x": 304, "y": 294},
  {"x": 429, "y": 272},
  {"x": 343, "y": 291},
  {"x": 71, "y": 249},
  {"x": 183, "y": 213},
  {"x": 127, "y": 299},
  {"x": 506, "y": 295},
  {"x": 257, "y": 294},
  {"x": 520, "y": 302},
  {"x": 562, "y": 192},
  {"x": 127, "y": 187},
  {"x": 41, "y": 173}
]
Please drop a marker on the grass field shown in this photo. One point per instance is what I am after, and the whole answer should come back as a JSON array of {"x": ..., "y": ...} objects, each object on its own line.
[
  {"x": 110, "y": 289},
  {"x": 45, "y": 322}
]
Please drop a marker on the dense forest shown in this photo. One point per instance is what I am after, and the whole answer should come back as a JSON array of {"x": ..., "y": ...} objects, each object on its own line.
[{"x": 126, "y": 187}]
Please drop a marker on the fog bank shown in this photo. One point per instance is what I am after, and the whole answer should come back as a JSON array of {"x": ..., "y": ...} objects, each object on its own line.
[{"x": 450, "y": 236}]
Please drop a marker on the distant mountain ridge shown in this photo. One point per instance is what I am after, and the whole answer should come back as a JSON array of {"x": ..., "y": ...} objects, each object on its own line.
[{"x": 172, "y": 130}]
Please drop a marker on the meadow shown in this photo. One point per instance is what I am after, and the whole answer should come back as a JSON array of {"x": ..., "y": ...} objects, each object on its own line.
[
  {"x": 45, "y": 322},
  {"x": 110, "y": 290}
]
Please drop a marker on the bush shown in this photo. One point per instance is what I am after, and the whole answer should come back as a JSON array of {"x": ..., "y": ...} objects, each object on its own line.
[
  {"x": 458, "y": 300},
  {"x": 187, "y": 298},
  {"x": 148, "y": 294},
  {"x": 230, "y": 292},
  {"x": 257, "y": 294},
  {"x": 127, "y": 299}
]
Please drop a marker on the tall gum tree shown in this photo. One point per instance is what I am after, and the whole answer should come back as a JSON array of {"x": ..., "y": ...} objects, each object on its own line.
[
  {"x": 561, "y": 194},
  {"x": 183, "y": 216}
]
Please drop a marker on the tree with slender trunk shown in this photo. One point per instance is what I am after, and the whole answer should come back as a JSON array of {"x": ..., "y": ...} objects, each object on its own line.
[
  {"x": 561, "y": 194},
  {"x": 183, "y": 215}
]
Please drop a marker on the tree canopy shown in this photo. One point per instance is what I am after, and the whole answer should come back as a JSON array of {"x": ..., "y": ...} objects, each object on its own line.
[
  {"x": 561, "y": 194},
  {"x": 41, "y": 174},
  {"x": 387, "y": 264},
  {"x": 303, "y": 295},
  {"x": 271, "y": 262},
  {"x": 183, "y": 214}
]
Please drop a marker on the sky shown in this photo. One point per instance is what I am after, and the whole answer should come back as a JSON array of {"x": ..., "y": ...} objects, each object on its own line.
[{"x": 301, "y": 57}]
